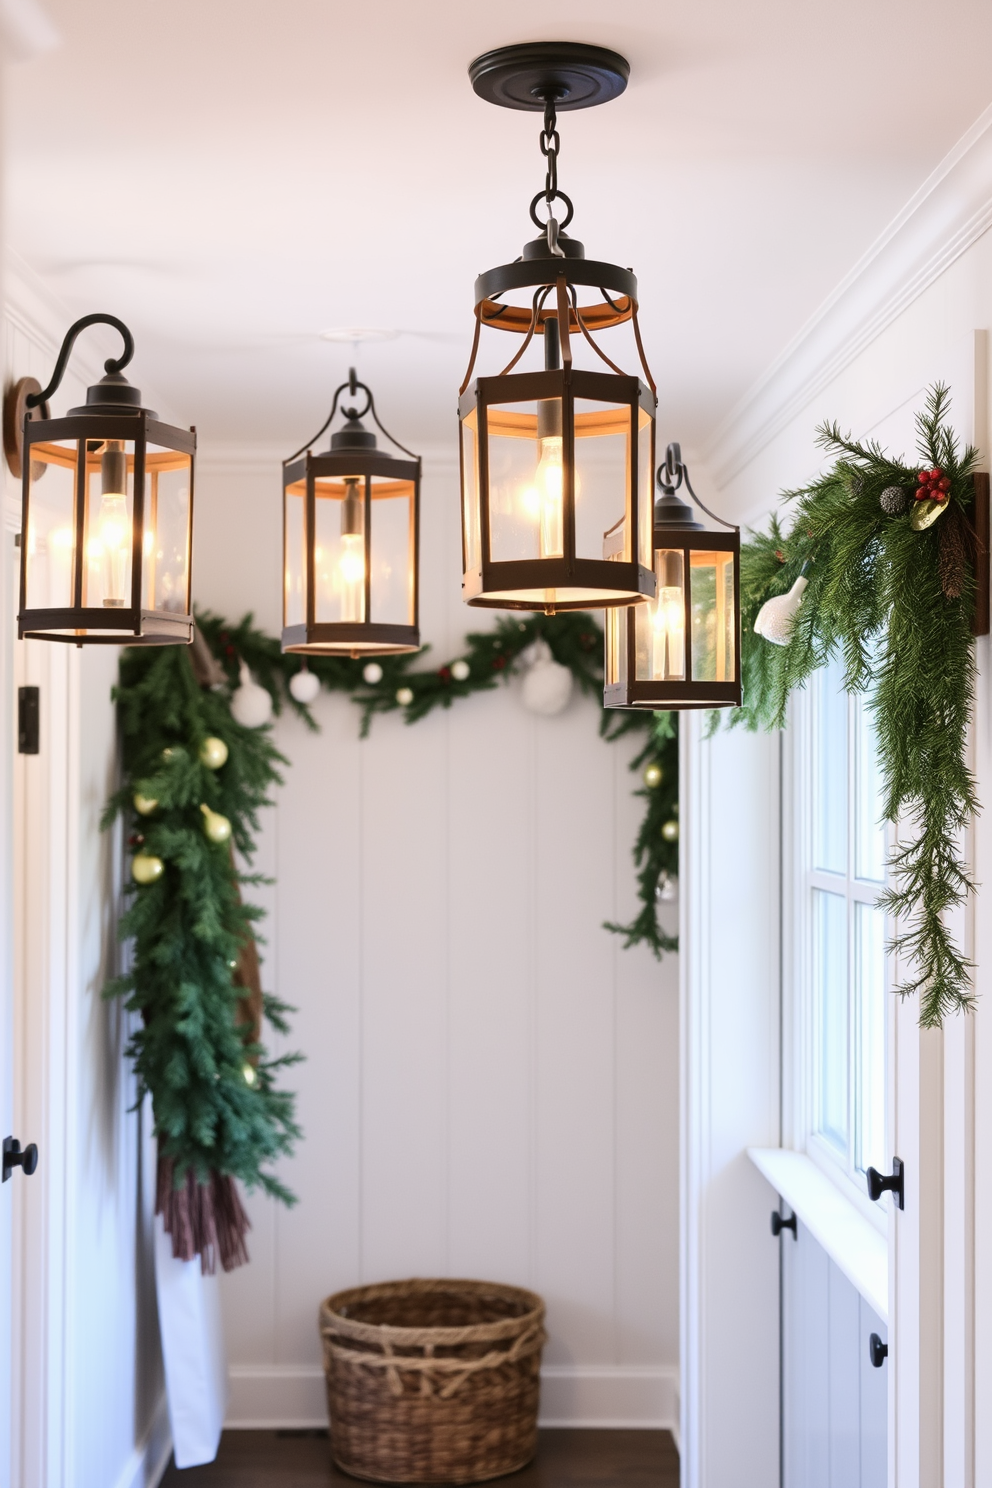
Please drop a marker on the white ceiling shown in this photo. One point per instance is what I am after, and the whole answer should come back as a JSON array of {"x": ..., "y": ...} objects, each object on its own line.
[{"x": 234, "y": 178}]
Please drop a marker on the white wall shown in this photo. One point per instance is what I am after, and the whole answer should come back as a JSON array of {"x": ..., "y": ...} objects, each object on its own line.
[
  {"x": 906, "y": 317},
  {"x": 89, "y": 1397},
  {"x": 491, "y": 1081}
]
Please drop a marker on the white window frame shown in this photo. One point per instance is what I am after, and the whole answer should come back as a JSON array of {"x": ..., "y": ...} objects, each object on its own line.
[{"x": 800, "y": 1021}]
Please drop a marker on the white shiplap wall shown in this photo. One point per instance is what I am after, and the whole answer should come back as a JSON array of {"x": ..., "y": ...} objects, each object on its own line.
[{"x": 491, "y": 1081}]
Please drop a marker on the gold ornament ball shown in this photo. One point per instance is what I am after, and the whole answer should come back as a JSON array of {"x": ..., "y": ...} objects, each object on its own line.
[
  {"x": 145, "y": 869},
  {"x": 670, "y": 831},
  {"x": 216, "y": 827},
  {"x": 213, "y": 753},
  {"x": 653, "y": 775},
  {"x": 145, "y": 805}
]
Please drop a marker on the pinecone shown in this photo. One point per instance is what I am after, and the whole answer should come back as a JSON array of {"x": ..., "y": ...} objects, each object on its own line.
[
  {"x": 954, "y": 551},
  {"x": 893, "y": 501}
]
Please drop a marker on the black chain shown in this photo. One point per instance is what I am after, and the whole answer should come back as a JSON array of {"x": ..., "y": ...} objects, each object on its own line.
[{"x": 550, "y": 146}]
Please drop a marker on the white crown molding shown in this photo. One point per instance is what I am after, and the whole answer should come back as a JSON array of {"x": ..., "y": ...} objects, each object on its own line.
[{"x": 950, "y": 212}]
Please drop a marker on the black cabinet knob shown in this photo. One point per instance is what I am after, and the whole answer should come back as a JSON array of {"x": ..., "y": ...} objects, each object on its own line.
[
  {"x": 878, "y": 1351},
  {"x": 879, "y": 1183},
  {"x": 13, "y": 1157},
  {"x": 779, "y": 1224}
]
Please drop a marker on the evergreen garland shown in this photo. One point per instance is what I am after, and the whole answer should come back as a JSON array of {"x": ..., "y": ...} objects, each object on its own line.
[
  {"x": 897, "y": 604},
  {"x": 218, "y": 1113}
]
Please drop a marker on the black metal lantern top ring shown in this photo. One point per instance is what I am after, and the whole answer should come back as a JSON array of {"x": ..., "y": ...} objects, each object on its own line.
[
  {"x": 554, "y": 459},
  {"x": 351, "y": 525},
  {"x": 105, "y": 540}
]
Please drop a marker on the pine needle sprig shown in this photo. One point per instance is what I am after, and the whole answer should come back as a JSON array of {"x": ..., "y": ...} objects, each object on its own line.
[{"x": 896, "y": 605}]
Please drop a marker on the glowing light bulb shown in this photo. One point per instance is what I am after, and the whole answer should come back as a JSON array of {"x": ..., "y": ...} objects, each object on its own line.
[
  {"x": 113, "y": 535},
  {"x": 351, "y": 564},
  {"x": 550, "y": 496},
  {"x": 668, "y": 634}
]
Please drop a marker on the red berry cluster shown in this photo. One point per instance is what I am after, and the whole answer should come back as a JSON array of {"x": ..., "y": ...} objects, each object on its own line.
[{"x": 934, "y": 485}]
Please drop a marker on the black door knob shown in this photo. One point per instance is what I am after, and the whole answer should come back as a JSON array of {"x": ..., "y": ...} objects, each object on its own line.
[
  {"x": 878, "y": 1351},
  {"x": 879, "y": 1183},
  {"x": 13, "y": 1157},
  {"x": 779, "y": 1224}
]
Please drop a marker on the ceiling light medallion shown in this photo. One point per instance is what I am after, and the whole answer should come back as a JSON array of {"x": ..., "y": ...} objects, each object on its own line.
[
  {"x": 351, "y": 545},
  {"x": 683, "y": 649},
  {"x": 107, "y": 519},
  {"x": 554, "y": 459}
]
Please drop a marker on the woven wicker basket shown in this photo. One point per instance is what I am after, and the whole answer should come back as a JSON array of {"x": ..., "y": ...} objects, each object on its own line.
[{"x": 432, "y": 1381}]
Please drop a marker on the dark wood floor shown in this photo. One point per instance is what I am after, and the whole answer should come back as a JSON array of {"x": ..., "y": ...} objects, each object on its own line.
[{"x": 565, "y": 1459}]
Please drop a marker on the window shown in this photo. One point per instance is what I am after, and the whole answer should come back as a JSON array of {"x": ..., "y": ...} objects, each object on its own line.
[{"x": 841, "y": 934}]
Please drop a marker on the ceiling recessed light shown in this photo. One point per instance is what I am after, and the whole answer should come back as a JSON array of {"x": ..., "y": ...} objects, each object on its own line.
[{"x": 351, "y": 334}]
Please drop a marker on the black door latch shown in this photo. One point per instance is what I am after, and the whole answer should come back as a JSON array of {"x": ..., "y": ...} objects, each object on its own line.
[
  {"x": 28, "y": 720},
  {"x": 879, "y": 1183},
  {"x": 13, "y": 1157},
  {"x": 878, "y": 1351},
  {"x": 779, "y": 1223}
]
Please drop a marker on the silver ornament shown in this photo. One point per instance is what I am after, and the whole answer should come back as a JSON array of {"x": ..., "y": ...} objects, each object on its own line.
[{"x": 893, "y": 501}]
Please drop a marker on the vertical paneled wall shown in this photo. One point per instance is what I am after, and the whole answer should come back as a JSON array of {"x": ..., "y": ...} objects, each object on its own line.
[{"x": 491, "y": 1081}]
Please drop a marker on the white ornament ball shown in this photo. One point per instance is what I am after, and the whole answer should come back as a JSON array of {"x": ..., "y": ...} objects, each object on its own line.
[
  {"x": 372, "y": 673},
  {"x": 304, "y": 686},
  {"x": 404, "y": 696},
  {"x": 251, "y": 705},
  {"x": 460, "y": 671},
  {"x": 547, "y": 685}
]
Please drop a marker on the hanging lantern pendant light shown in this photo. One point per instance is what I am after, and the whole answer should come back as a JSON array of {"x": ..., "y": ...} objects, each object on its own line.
[
  {"x": 106, "y": 540},
  {"x": 351, "y": 524},
  {"x": 552, "y": 460}
]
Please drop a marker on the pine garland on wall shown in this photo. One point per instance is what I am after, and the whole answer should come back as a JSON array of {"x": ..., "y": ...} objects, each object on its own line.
[
  {"x": 888, "y": 554},
  {"x": 194, "y": 780}
]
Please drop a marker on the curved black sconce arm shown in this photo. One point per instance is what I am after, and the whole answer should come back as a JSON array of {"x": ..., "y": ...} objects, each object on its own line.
[
  {"x": 671, "y": 475},
  {"x": 111, "y": 365},
  {"x": 352, "y": 386}
]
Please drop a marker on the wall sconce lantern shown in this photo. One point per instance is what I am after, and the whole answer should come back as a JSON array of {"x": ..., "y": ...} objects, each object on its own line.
[
  {"x": 351, "y": 541},
  {"x": 683, "y": 649},
  {"x": 553, "y": 459},
  {"x": 107, "y": 511}
]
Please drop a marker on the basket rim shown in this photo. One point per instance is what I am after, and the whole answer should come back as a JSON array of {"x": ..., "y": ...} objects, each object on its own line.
[{"x": 332, "y": 1322}]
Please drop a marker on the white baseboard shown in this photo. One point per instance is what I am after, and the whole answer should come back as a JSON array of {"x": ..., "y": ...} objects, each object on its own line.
[
  {"x": 273, "y": 1396},
  {"x": 146, "y": 1465}
]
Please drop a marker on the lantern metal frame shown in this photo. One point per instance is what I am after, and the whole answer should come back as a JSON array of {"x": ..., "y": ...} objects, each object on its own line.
[
  {"x": 676, "y": 530},
  {"x": 112, "y": 411},
  {"x": 552, "y": 76},
  {"x": 353, "y": 452}
]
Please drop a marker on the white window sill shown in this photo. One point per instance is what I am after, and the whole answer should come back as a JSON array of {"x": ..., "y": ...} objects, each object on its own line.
[{"x": 851, "y": 1242}]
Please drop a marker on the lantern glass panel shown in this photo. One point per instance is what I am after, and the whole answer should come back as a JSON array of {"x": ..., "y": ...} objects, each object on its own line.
[
  {"x": 711, "y": 585},
  {"x": 340, "y": 520},
  {"x": 392, "y": 552},
  {"x": 526, "y": 492},
  {"x": 51, "y": 534},
  {"x": 602, "y": 475},
  {"x": 659, "y": 625},
  {"x": 616, "y": 644},
  {"x": 165, "y": 540},
  {"x": 294, "y": 557},
  {"x": 470, "y": 492},
  {"x": 645, "y": 486},
  {"x": 109, "y": 530}
]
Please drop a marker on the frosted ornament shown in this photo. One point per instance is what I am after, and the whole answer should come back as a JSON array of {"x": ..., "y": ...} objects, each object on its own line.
[
  {"x": 547, "y": 685},
  {"x": 216, "y": 827},
  {"x": 213, "y": 753},
  {"x": 777, "y": 616},
  {"x": 460, "y": 671},
  {"x": 404, "y": 696},
  {"x": 251, "y": 705},
  {"x": 670, "y": 831},
  {"x": 372, "y": 673},
  {"x": 145, "y": 868},
  {"x": 304, "y": 686}
]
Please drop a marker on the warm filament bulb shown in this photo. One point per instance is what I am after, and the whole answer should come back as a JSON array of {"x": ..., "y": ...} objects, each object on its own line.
[
  {"x": 550, "y": 492},
  {"x": 113, "y": 528},
  {"x": 351, "y": 564},
  {"x": 668, "y": 634}
]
